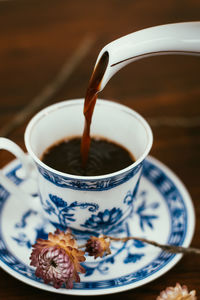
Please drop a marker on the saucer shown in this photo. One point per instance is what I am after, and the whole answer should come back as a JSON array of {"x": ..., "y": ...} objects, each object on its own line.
[{"x": 163, "y": 212}]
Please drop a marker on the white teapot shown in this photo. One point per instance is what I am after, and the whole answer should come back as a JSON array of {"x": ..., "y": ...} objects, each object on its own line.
[{"x": 177, "y": 38}]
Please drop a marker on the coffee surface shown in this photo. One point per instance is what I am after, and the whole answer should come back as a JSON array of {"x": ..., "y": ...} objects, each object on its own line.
[{"x": 104, "y": 157}]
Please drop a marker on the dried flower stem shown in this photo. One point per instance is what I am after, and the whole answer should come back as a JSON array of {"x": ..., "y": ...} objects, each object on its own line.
[{"x": 168, "y": 248}]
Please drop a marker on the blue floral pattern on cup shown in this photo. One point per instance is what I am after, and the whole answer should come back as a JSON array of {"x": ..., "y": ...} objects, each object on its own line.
[
  {"x": 64, "y": 211},
  {"x": 103, "y": 220},
  {"x": 63, "y": 214}
]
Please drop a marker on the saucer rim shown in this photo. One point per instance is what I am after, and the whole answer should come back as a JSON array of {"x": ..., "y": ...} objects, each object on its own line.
[{"x": 111, "y": 290}]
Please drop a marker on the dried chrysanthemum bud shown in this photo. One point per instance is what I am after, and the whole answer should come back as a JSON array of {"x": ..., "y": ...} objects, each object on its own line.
[
  {"x": 98, "y": 246},
  {"x": 177, "y": 293},
  {"x": 58, "y": 259}
]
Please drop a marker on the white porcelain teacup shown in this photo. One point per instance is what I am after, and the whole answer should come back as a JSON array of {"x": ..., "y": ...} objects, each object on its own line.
[{"x": 93, "y": 203}]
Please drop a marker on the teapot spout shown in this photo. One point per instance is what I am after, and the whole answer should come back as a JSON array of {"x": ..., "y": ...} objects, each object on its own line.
[{"x": 177, "y": 38}]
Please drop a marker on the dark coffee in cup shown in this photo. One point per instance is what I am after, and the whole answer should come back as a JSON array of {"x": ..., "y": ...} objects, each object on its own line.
[{"x": 105, "y": 157}]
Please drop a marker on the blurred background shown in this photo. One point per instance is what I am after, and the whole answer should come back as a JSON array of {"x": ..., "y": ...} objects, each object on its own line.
[{"x": 38, "y": 37}]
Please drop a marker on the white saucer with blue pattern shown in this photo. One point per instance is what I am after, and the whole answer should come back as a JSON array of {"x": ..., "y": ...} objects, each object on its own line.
[{"x": 163, "y": 212}]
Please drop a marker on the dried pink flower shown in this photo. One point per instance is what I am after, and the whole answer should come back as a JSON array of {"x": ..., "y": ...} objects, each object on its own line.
[
  {"x": 177, "y": 293},
  {"x": 98, "y": 246},
  {"x": 58, "y": 259}
]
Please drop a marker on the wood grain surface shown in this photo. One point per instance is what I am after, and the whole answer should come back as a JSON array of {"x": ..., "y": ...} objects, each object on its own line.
[{"x": 37, "y": 37}]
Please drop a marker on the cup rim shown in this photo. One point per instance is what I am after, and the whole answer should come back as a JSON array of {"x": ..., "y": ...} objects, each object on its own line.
[{"x": 77, "y": 101}]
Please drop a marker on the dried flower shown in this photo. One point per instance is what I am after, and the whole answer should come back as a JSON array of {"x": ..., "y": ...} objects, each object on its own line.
[
  {"x": 98, "y": 246},
  {"x": 57, "y": 259},
  {"x": 177, "y": 293}
]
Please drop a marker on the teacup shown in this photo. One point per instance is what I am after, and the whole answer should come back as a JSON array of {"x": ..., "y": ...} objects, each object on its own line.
[{"x": 85, "y": 203}]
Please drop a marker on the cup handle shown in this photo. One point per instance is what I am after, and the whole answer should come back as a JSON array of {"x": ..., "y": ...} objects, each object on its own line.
[{"x": 28, "y": 167}]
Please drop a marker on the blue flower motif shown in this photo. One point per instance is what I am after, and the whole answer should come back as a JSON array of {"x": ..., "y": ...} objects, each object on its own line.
[
  {"x": 64, "y": 211},
  {"x": 133, "y": 258},
  {"x": 104, "y": 220},
  {"x": 144, "y": 212}
]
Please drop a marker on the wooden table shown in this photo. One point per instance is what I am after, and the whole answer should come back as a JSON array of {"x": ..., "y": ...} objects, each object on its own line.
[{"x": 36, "y": 37}]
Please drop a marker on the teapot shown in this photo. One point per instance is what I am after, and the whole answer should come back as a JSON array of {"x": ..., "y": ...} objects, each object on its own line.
[{"x": 177, "y": 38}]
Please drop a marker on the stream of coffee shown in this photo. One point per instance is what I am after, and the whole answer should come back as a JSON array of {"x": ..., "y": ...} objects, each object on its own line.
[
  {"x": 98, "y": 156},
  {"x": 89, "y": 104}
]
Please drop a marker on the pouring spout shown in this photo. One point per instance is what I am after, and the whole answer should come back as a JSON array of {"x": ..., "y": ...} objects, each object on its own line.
[{"x": 177, "y": 38}]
